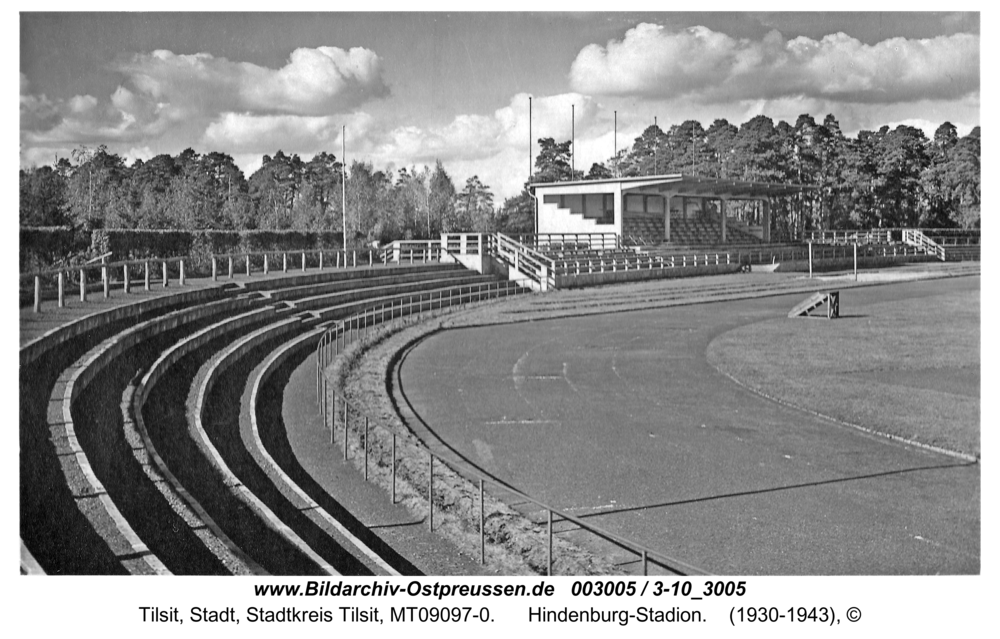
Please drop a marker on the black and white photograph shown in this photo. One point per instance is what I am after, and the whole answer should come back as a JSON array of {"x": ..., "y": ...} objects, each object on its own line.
[{"x": 637, "y": 298}]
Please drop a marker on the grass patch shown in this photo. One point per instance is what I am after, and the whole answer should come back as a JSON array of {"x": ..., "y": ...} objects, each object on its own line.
[{"x": 905, "y": 368}]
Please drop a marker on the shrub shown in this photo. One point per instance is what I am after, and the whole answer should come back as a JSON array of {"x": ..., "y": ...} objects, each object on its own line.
[{"x": 42, "y": 247}]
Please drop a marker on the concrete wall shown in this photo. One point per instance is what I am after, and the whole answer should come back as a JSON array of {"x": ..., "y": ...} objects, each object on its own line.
[
  {"x": 847, "y": 264},
  {"x": 40, "y": 345},
  {"x": 641, "y": 275},
  {"x": 471, "y": 262}
]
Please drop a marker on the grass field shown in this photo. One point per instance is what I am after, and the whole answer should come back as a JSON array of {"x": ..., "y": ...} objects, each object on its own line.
[{"x": 908, "y": 368}]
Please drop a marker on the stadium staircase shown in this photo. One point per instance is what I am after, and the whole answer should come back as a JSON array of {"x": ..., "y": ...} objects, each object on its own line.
[{"x": 949, "y": 245}]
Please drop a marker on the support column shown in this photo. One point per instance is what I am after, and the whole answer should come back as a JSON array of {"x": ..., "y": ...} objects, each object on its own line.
[
  {"x": 722, "y": 214},
  {"x": 666, "y": 217},
  {"x": 767, "y": 220},
  {"x": 684, "y": 207}
]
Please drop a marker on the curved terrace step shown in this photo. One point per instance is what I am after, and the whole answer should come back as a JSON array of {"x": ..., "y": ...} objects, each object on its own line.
[
  {"x": 223, "y": 446},
  {"x": 408, "y": 275},
  {"x": 98, "y": 436},
  {"x": 395, "y": 290},
  {"x": 249, "y": 469},
  {"x": 315, "y": 501},
  {"x": 55, "y": 513},
  {"x": 160, "y": 407},
  {"x": 234, "y": 378},
  {"x": 197, "y": 348},
  {"x": 442, "y": 296},
  {"x": 52, "y": 510}
]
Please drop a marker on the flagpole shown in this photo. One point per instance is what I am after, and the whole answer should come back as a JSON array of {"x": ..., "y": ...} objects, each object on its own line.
[
  {"x": 656, "y": 143},
  {"x": 343, "y": 185}
]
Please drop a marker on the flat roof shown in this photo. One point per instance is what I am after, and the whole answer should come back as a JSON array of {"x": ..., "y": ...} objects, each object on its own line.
[{"x": 681, "y": 184}]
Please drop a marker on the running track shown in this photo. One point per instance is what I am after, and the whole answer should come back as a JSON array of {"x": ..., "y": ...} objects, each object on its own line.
[{"x": 619, "y": 418}]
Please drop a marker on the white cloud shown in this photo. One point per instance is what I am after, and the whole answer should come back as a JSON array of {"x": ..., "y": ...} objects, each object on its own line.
[
  {"x": 652, "y": 62},
  {"x": 166, "y": 99},
  {"x": 244, "y": 134},
  {"x": 495, "y": 147},
  {"x": 237, "y": 132},
  {"x": 315, "y": 82},
  {"x": 471, "y": 137},
  {"x": 143, "y": 153},
  {"x": 38, "y": 113}
]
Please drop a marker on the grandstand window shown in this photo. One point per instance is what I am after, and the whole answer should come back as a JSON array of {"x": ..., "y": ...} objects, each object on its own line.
[
  {"x": 654, "y": 204},
  {"x": 634, "y": 203},
  {"x": 594, "y": 203},
  {"x": 596, "y": 206},
  {"x": 573, "y": 202}
]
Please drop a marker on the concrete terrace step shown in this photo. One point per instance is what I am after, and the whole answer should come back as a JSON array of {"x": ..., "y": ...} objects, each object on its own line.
[
  {"x": 238, "y": 372},
  {"x": 276, "y": 280},
  {"x": 204, "y": 385},
  {"x": 165, "y": 392},
  {"x": 962, "y": 253},
  {"x": 105, "y": 342},
  {"x": 463, "y": 278},
  {"x": 375, "y": 280},
  {"x": 102, "y": 445},
  {"x": 212, "y": 427},
  {"x": 75, "y": 354},
  {"x": 443, "y": 296}
]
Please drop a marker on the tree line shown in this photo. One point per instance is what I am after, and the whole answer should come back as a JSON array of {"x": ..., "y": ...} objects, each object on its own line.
[
  {"x": 885, "y": 178},
  {"x": 96, "y": 189}
]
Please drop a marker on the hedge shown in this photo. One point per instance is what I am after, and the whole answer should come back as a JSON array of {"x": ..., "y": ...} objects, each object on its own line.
[
  {"x": 127, "y": 244},
  {"x": 45, "y": 247}
]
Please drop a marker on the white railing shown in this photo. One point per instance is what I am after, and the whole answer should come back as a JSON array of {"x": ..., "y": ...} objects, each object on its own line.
[
  {"x": 464, "y": 243},
  {"x": 551, "y": 241},
  {"x": 870, "y": 236},
  {"x": 954, "y": 237},
  {"x": 527, "y": 261},
  {"x": 916, "y": 238},
  {"x": 411, "y": 251}
]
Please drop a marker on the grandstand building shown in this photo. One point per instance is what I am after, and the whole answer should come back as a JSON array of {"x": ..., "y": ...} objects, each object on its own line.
[{"x": 658, "y": 208}]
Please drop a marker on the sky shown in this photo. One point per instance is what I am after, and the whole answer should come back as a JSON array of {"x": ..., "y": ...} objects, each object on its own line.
[{"x": 413, "y": 88}]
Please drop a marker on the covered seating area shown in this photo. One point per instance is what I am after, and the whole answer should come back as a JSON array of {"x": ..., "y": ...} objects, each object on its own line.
[{"x": 652, "y": 210}]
